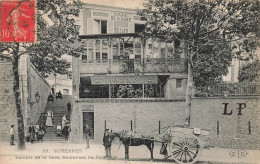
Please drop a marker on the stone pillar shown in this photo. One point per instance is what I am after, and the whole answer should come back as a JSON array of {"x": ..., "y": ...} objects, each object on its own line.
[
  {"x": 76, "y": 134},
  {"x": 75, "y": 76}
]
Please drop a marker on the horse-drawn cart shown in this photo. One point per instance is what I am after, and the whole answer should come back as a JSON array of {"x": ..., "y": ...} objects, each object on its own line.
[{"x": 184, "y": 145}]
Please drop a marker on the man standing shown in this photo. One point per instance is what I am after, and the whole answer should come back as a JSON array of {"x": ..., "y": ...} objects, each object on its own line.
[
  {"x": 88, "y": 134},
  {"x": 12, "y": 135},
  {"x": 53, "y": 90},
  {"x": 31, "y": 132},
  {"x": 107, "y": 143},
  {"x": 69, "y": 107}
]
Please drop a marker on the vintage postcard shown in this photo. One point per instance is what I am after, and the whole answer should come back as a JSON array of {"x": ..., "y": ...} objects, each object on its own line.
[{"x": 119, "y": 81}]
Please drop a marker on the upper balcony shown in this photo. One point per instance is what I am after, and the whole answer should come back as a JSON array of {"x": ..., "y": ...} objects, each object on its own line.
[
  {"x": 148, "y": 65},
  {"x": 129, "y": 53}
]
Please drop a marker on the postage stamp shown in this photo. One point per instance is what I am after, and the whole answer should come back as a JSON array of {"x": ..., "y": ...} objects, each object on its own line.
[{"x": 17, "y": 21}]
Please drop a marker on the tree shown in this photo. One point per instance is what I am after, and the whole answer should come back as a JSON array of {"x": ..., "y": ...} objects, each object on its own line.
[
  {"x": 213, "y": 32},
  {"x": 249, "y": 72},
  {"x": 57, "y": 34}
]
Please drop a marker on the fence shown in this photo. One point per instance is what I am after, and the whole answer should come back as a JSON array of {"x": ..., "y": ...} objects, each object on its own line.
[{"x": 235, "y": 89}]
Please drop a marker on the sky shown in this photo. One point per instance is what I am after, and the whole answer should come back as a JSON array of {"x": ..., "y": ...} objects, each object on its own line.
[{"x": 118, "y": 3}]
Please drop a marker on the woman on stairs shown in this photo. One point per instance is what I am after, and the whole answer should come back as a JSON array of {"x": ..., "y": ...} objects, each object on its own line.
[
  {"x": 64, "y": 121},
  {"x": 49, "y": 116}
]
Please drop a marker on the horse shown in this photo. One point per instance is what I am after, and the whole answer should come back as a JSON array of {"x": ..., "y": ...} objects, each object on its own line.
[{"x": 131, "y": 141}]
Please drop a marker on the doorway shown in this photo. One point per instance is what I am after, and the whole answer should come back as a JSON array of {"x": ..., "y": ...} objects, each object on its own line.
[{"x": 88, "y": 118}]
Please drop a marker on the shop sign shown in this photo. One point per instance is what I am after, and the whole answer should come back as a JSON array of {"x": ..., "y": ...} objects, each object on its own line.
[
  {"x": 121, "y": 30},
  {"x": 101, "y": 80},
  {"x": 118, "y": 16}
]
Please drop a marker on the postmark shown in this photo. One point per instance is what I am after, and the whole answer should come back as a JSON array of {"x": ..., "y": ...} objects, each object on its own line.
[{"x": 18, "y": 21}]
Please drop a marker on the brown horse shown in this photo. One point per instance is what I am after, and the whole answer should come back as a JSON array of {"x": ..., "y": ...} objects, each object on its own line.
[{"x": 131, "y": 141}]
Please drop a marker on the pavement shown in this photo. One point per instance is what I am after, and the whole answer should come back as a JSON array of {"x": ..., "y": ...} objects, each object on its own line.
[{"x": 53, "y": 152}]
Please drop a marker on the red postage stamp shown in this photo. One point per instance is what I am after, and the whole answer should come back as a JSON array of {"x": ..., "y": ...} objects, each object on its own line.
[{"x": 18, "y": 21}]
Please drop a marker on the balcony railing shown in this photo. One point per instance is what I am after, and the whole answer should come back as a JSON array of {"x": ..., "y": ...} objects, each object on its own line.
[
  {"x": 147, "y": 65},
  {"x": 234, "y": 89}
]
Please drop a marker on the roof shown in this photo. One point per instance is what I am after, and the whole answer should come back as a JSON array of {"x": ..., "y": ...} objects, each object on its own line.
[{"x": 96, "y": 6}]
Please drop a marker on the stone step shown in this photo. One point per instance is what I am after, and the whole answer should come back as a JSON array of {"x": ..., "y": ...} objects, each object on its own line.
[
  {"x": 56, "y": 140},
  {"x": 59, "y": 109}
]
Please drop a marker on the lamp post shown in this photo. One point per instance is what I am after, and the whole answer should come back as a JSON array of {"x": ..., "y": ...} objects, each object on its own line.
[{"x": 37, "y": 98}]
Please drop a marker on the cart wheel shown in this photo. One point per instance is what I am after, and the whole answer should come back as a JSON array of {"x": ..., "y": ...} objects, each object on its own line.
[{"x": 185, "y": 149}]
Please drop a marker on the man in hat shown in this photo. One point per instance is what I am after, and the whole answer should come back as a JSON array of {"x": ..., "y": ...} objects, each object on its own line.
[
  {"x": 107, "y": 143},
  {"x": 87, "y": 134},
  {"x": 69, "y": 106}
]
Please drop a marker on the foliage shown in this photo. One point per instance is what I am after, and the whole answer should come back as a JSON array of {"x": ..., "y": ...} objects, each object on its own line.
[
  {"x": 249, "y": 72},
  {"x": 57, "y": 34},
  {"x": 210, "y": 66},
  {"x": 213, "y": 32}
]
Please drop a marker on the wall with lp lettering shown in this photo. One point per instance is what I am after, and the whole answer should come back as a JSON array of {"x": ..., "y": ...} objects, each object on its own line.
[{"x": 234, "y": 122}]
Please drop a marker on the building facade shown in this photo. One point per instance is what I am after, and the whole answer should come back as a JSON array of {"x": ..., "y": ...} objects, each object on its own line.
[
  {"x": 118, "y": 63},
  {"x": 60, "y": 82},
  {"x": 123, "y": 82}
]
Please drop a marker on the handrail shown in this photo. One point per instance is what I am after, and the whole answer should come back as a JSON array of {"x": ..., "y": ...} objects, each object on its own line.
[{"x": 234, "y": 89}]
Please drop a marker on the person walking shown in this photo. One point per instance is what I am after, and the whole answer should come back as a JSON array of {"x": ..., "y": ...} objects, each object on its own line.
[
  {"x": 69, "y": 107},
  {"x": 41, "y": 132},
  {"x": 31, "y": 132},
  {"x": 107, "y": 143},
  {"x": 87, "y": 134},
  {"x": 12, "y": 135},
  {"x": 59, "y": 95},
  {"x": 66, "y": 131},
  {"x": 37, "y": 126},
  {"x": 59, "y": 129},
  {"x": 53, "y": 90},
  {"x": 64, "y": 121},
  {"x": 49, "y": 116},
  {"x": 50, "y": 98}
]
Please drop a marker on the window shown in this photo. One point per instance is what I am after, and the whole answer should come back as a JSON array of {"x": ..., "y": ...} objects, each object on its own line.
[
  {"x": 90, "y": 57},
  {"x": 84, "y": 58},
  {"x": 137, "y": 48},
  {"x": 179, "y": 83},
  {"x": 104, "y": 57},
  {"x": 84, "y": 55},
  {"x": 115, "y": 50},
  {"x": 98, "y": 57},
  {"x": 65, "y": 92},
  {"x": 100, "y": 27},
  {"x": 103, "y": 27},
  {"x": 177, "y": 45},
  {"x": 163, "y": 53},
  {"x": 139, "y": 28}
]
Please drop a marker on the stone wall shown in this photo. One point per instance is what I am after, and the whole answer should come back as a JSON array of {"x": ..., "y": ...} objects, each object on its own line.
[
  {"x": 37, "y": 84},
  {"x": 7, "y": 105},
  {"x": 145, "y": 115},
  {"x": 228, "y": 131},
  {"x": 232, "y": 130},
  {"x": 30, "y": 83}
]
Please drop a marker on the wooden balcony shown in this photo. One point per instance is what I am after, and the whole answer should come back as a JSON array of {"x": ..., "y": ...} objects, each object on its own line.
[{"x": 147, "y": 65}]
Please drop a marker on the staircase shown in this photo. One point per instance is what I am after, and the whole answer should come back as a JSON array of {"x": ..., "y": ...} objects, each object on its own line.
[{"x": 59, "y": 108}]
